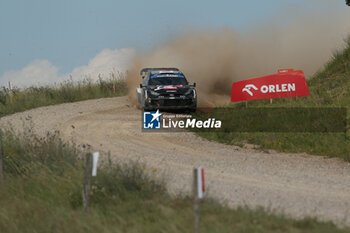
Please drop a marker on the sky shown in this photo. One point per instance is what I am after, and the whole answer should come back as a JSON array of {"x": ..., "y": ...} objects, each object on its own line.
[{"x": 79, "y": 37}]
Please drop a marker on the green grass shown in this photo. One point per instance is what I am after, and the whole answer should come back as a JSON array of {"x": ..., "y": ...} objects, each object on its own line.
[
  {"x": 330, "y": 87},
  {"x": 19, "y": 100},
  {"x": 42, "y": 192},
  {"x": 43, "y": 176}
]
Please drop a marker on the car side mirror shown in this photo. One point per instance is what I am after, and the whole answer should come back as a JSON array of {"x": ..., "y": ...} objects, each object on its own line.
[
  {"x": 194, "y": 84},
  {"x": 140, "y": 85}
]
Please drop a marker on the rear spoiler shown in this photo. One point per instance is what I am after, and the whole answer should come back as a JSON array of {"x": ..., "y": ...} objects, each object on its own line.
[{"x": 144, "y": 71}]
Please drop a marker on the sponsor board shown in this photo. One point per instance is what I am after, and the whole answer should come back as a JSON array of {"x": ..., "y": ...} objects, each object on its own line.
[
  {"x": 304, "y": 120},
  {"x": 286, "y": 83}
]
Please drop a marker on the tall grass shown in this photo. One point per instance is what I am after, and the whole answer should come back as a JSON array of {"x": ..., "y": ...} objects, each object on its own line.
[
  {"x": 18, "y": 100},
  {"x": 42, "y": 192}
]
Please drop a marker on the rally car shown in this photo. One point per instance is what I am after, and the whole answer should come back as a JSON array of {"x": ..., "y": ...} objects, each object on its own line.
[{"x": 166, "y": 88}]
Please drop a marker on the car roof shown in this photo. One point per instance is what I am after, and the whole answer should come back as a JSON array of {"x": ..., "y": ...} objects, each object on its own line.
[
  {"x": 145, "y": 70},
  {"x": 165, "y": 72}
]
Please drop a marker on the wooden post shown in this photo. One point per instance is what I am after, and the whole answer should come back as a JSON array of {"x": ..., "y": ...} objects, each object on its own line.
[
  {"x": 1, "y": 159},
  {"x": 196, "y": 203},
  {"x": 347, "y": 129},
  {"x": 10, "y": 92},
  {"x": 87, "y": 183},
  {"x": 109, "y": 159}
]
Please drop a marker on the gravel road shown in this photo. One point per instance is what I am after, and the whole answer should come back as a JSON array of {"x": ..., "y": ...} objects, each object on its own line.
[{"x": 296, "y": 184}]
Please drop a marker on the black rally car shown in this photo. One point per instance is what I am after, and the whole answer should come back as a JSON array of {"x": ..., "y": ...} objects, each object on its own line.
[{"x": 166, "y": 88}]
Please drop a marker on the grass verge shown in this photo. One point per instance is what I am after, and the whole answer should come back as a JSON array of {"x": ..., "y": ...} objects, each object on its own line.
[
  {"x": 43, "y": 187},
  {"x": 18, "y": 100},
  {"x": 329, "y": 87}
]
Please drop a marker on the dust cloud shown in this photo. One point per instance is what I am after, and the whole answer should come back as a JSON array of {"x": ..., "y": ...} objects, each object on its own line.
[{"x": 216, "y": 57}]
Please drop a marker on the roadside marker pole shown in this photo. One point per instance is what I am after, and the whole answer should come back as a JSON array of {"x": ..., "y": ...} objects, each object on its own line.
[
  {"x": 95, "y": 156},
  {"x": 1, "y": 159},
  {"x": 198, "y": 192},
  {"x": 90, "y": 170},
  {"x": 10, "y": 91},
  {"x": 87, "y": 183}
]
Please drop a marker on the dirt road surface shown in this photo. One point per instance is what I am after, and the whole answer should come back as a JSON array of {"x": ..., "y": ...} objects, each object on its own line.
[{"x": 296, "y": 184}]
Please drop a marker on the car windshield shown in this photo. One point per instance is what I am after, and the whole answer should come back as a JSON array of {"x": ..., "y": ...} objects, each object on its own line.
[{"x": 167, "y": 81}]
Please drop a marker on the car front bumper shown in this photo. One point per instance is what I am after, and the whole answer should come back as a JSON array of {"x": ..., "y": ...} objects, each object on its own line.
[{"x": 171, "y": 103}]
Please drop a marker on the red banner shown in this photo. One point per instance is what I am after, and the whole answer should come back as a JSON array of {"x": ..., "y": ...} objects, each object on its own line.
[{"x": 286, "y": 83}]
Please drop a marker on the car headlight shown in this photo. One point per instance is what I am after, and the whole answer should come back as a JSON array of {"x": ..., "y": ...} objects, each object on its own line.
[
  {"x": 191, "y": 91},
  {"x": 154, "y": 93},
  {"x": 188, "y": 92}
]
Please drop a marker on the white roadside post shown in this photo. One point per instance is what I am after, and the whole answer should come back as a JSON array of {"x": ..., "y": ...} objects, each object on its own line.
[
  {"x": 198, "y": 191},
  {"x": 90, "y": 170},
  {"x": 95, "y": 156}
]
